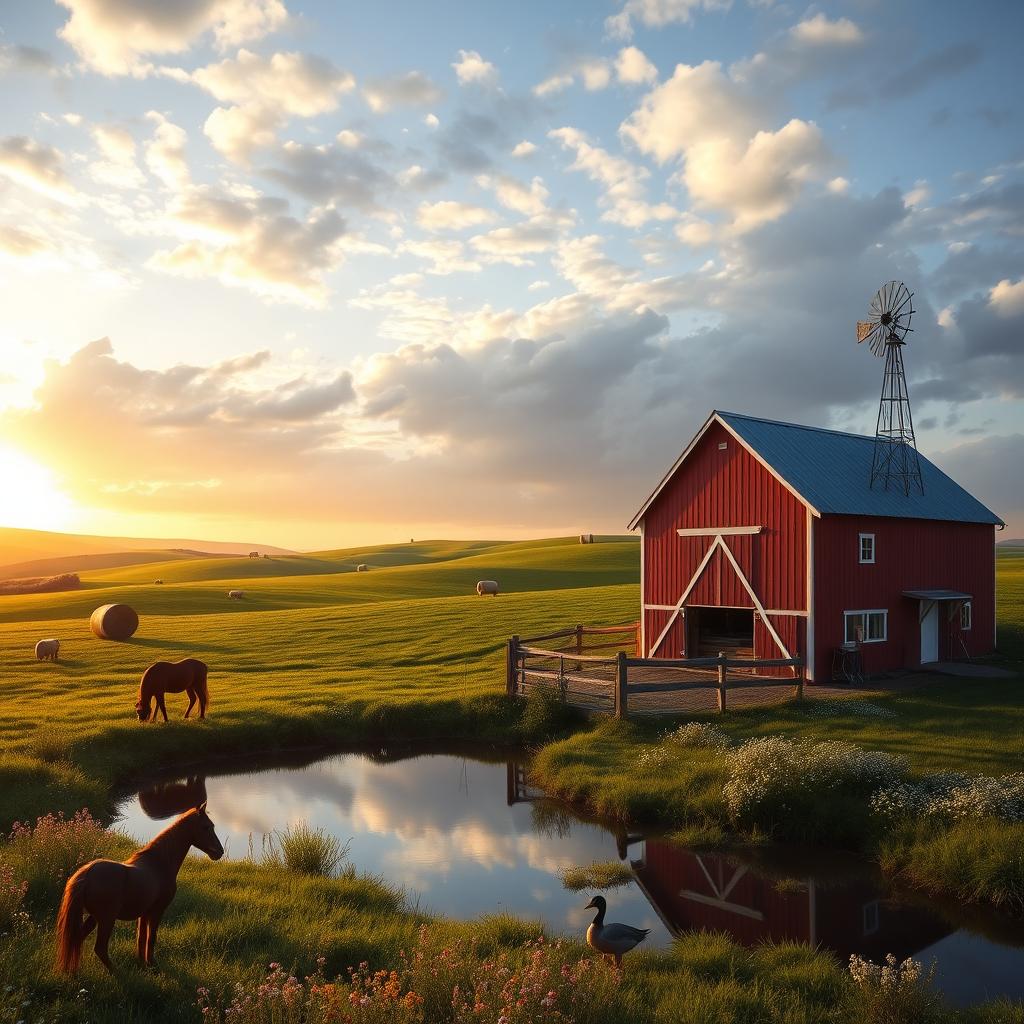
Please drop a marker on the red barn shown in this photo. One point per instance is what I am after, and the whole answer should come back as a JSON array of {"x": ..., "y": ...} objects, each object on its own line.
[{"x": 765, "y": 540}]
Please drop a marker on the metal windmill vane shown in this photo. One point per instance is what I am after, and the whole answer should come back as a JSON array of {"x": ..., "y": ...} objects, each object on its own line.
[{"x": 895, "y": 459}]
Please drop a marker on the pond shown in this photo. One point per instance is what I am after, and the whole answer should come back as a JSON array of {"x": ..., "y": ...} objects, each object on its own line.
[{"x": 466, "y": 836}]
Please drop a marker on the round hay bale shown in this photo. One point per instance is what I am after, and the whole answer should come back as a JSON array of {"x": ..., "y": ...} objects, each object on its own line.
[
  {"x": 114, "y": 622},
  {"x": 362, "y": 568},
  {"x": 487, "y": 587}
]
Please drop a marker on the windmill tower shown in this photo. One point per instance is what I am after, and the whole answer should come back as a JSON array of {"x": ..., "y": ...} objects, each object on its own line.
[{"x": 895, "y": 460}]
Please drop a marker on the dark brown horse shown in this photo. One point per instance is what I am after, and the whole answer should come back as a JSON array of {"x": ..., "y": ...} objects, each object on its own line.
[
  {"x": 172, "y": 677},
  {"x": 142, "y": 887},
  {"x": 169, "y": 798}
]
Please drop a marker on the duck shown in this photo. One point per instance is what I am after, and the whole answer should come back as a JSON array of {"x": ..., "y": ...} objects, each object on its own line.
[{"x": 612, "y": 940}]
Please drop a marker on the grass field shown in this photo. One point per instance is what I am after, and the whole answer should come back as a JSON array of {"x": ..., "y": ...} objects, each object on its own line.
[{"x": 320, "y": 654}]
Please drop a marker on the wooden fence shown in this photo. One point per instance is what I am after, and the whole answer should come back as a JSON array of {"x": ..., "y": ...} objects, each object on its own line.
[{"x": 612, "y": 683}]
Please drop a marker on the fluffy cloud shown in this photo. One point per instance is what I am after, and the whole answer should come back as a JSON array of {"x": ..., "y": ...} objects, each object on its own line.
[
  {"x": 471, "y": 68},
  {"x": 1007, "y": 298},
  {"x": 114, "y": 36},
  {"x": 514, "y": 244},
  {"x": 514, "y": 195},
  {"x": 165, "y": 152},
  {"x": 657, "y": 14},
  {"x": 523, "y": 149},
  {"x": 413, "y": 89},
  {"x": 451, "y": 215},
  {"x": 36, "y": 166},
  {"x": 704, "y": 118},
  {"x": 266, "y": 91},
  {"x": 633, "y": 67},
  {"x": 254, "y": 244},
  {"x": 299, "y": 84},
  {"x": 118, "y": 166},
  {"x": 819, "y": 31},
  {"x": 330, "y": 173},
  {"x": 624, "y": 182}
]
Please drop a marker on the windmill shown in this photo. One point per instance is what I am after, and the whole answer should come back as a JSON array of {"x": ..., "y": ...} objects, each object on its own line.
[{"x": 895, "y": 458}]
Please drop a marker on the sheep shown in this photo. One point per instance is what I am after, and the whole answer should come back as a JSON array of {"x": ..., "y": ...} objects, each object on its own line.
[
  {"x": 254, "y": 554},
  {"x": 47, "y": 649},
  {"x": 362, "y": 568},
  {"x": 487, "y": 587},
  {"x": 236, "y": 595}
]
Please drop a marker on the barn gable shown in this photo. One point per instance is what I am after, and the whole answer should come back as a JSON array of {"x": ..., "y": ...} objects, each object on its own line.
[{"x": 724, "y": 532}]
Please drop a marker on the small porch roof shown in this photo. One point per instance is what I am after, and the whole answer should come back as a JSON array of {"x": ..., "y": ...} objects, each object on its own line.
[{"x": 937, "y": 595}]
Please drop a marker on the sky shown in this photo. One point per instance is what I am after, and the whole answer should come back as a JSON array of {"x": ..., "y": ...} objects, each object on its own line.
[{"x": 320, "y": 274}]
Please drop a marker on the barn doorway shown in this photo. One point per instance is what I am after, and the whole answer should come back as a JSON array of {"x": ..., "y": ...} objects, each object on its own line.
[{"x": 710, "y": 630}]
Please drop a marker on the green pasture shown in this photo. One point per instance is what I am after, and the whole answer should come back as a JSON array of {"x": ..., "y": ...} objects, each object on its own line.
[{"x": 318, "y": 654}]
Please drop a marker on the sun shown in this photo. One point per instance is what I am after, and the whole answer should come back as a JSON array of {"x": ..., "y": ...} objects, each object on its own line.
[{"x": 29, "y": 495}]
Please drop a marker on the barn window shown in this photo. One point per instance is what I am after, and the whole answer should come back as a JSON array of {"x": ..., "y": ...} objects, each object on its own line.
[
  {"x": 867, "y": 548},
  {"x": 966, "y": 614},
  {"x": 866, "y": 627}
]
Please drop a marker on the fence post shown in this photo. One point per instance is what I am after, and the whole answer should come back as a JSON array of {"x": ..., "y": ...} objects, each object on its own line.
[
  {"x": 621, "y": 682},
  {"x": 801, "y": 668},
  {"x": 721, "y": 681},
  {"x": 561, "y": 677},
  {"x": 579, "y": 644},
  {"x": 511, "y": 668}
]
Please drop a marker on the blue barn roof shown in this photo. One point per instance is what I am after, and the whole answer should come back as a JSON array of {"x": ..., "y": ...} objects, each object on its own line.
[{"x": 830, "y": 471}]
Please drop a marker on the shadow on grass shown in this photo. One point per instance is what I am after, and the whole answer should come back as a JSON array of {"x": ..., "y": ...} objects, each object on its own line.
[{"x": 176, "y": 645}]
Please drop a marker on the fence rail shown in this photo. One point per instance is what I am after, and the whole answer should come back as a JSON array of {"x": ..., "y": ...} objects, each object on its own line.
[{"x": 608, "y": 683}]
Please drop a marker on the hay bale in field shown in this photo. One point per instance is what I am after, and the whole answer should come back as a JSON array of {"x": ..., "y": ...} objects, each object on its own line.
[
  {"x": 586, "y": 538},
  {"x": 158, "y": 583},
  {"x": 114, "y": 622},
  {"x": 236, "y": 595},
  {"x": 487, "y": 587},
  {"x": 47, "y": 650},
  {"x": 362, "y": 568}
]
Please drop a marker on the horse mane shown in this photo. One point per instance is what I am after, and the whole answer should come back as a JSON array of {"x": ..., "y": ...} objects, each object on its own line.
[{"x": 162, "y": 838}]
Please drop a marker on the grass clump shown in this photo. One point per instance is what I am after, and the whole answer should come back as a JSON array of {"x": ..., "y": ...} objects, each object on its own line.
[
  {"x": 309, "y": 851},
  {"x": 598, "y": 875},
  {"x": 795, "y": 787},
  {"x": 896, "y": 993}
]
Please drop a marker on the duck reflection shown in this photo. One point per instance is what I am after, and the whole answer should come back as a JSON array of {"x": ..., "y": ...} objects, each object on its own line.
[{"x": 166, "y": 799}]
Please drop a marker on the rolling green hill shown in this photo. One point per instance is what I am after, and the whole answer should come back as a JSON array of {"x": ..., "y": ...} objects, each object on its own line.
[{"x": 22, "y": 551}]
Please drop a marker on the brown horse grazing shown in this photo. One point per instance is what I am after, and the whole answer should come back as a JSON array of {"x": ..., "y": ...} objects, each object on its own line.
[
  {"x": 142, "y": 887},
  {"x": 172, "y": 677}
]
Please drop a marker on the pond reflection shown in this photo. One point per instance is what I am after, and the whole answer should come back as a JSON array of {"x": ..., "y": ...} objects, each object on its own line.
[{"x": 466, "y": 836}]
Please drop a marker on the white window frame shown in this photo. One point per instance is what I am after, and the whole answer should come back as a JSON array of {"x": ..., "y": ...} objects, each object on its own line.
[
  {"x": 866, "y": 612},
  {"x": 861, "y": 537},
  {"x": 966, "y": 607}
]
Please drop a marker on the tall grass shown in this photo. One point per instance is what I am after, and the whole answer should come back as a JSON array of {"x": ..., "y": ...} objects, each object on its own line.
[{"x": 310, "y": 851}]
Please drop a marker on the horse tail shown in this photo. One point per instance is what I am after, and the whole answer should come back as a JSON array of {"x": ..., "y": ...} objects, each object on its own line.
[{"x": 69, "y": 923}]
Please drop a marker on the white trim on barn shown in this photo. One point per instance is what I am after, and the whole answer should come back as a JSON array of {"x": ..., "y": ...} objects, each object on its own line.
[
  {"x": 643, "y": 593},
  {"x": 809, "y": 638},
  {"x": 677, "y": 608},
  {"x": 753, "y": 597},
  {"x": 720, "y": 531}
]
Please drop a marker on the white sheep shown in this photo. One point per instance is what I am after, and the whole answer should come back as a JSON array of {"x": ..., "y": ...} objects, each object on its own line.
[
  {"x": 47, "y": 649},
  {"x": 487, "y": 587},
  {"x": 236, "y": 595}
]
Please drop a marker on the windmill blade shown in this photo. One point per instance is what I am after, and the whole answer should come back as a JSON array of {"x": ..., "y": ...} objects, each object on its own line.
[{"x": 864, "y": 329}]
